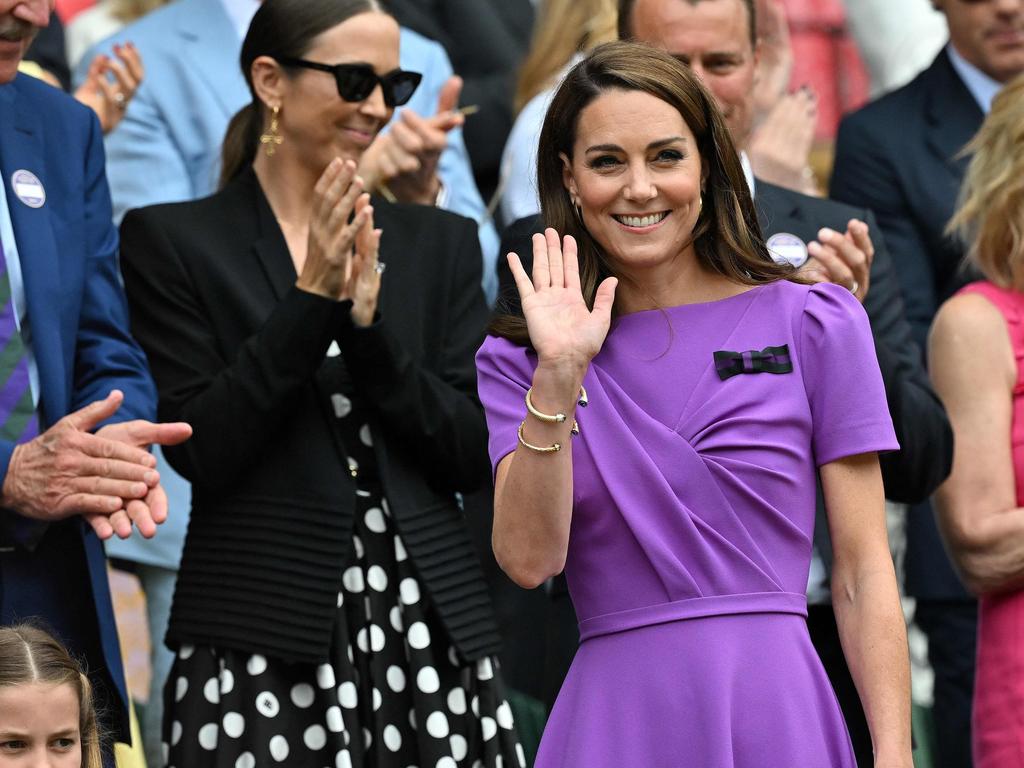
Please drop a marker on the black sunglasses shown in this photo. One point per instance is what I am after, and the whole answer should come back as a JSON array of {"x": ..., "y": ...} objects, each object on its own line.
[{"x": 357, "y": 81}]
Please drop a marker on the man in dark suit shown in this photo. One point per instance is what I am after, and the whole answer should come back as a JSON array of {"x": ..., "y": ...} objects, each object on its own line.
[
  {"x": 73, "y": 464},
  {"x": 716, "y": 37},
  {"x": 900, "y": 156}
]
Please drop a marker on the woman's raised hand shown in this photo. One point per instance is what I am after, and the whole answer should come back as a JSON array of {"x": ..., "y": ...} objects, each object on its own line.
[
  {"x": 364, "y": 281},
  {"x": 563, "y": 330},
  {"x": 328, "y": 266}
]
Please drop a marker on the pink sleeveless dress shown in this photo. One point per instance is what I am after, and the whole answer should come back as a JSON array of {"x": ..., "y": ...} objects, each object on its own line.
[{"x": 998, "y": 717}]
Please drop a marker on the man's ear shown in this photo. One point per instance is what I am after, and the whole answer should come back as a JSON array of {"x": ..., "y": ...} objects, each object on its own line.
[
  {"x": 268, "y": 81},
  {"x": 568, "y": 180}
]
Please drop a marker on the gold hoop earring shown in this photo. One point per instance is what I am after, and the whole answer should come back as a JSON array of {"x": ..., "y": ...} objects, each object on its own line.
[{"x": 271, "y": 140}]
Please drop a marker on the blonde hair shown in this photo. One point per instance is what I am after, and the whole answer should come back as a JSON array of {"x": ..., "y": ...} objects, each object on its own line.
[
  {"x": 990, "y": 216},
  {"x": 129, "y": 10},
  {"x": 563, "y": 29},
  {"x": 30, "y": 655}
]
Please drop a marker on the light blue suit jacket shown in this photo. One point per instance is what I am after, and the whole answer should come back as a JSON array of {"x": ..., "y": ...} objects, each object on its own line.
[
  {"x": 167, "y": 148},
  {"x": 78, "y": 318}
]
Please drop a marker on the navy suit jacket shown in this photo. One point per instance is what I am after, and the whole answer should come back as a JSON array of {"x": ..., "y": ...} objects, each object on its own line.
[
  {"x": 899, "y": 157},
  {"x": 78, "y": 319}
]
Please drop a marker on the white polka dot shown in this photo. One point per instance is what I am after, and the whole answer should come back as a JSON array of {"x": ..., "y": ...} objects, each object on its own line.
[
  {"x": 212, "y": 690},
  {"x": 409, "y": 590},
  {"x": 367, "y": 738},
  {"x": 257, "y": 664},
  {"x": 427, "y": 680},
  {"x": 341, "y": 599},
  {"x": 363, "y": 494},
  {"x": 348, "y": 652},
  {"x": 377, "y": 699},
  {"x": 396, "y": 619},
  {"x": 186, "y": 651},
  {"x": 175, "y": 733},
  {"x": 315, "y": 737},
  {"x": 333, "y": 350},
  {"x": 489, "y": 727},
  {"x": 457, "y": 701},
  {"x": 208, "y": 736},
  {"x": 227, "y": 681},
  {"x": 499, "y": 761},
  {"x": 374, "y": 520},
  {"x": 520, "y": 755},
  {"x": 504, "y": 715},
  {"x": 353, "y": 579},
  {"x": 342, "y": 405},
  {"x": 353, "y": 466},
  {"x": 446, "y": 762},
  {"x": 474, "y": 704},
  {"x": 343, "y": 760},
  {"x": 302, "y": 695},
  {"x": 165, "y": 751},
  {"x": 363, "y": 640},
  {"x": 412, "y": 719},
  {"x": 392, "y": 738},
  {"x": 234, "y": 724},
  {"x": 180, "y": 688},
  {"x": 348, "y": 695},
  {"x": 377, "y": 638},
  {"x": 279, "y": 748},
  {"x": 385, "y": 507},
  {"x": 437, "y": 725},
  {"x": 364, "y": 435},
  {"x": 484, "y": 669},
  {"x": 357, "y": 545},
  {"x": 335, "y": 721},
  {"x": 325, "y": 676},
  {"x": 377, "y": 578},
  {"x": 400, "y": 553},
  {"x": 396, "y": 678},
  {"x": 419, "y": 636},
  {"x": 459, "y": 747},
  {"x": 453, "y": 656},
  {"x": 267, "y": 704},
  {"x": 245, "y": 760}
]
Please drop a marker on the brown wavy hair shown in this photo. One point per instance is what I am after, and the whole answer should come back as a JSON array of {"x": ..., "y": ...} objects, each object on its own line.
[
  {"x": 990, "y": 214},
  {"x": 30, "y": 655},
  {"x": 726, "y": 238}
]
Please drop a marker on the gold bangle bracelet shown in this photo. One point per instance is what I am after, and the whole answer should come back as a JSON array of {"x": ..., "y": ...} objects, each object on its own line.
[
  {"x": 557, "y": 418},
  {"x": 539, "y": 449}
]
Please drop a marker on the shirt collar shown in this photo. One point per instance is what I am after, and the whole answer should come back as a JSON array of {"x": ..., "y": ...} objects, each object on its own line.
[
  {"x": 982, "y": 87},
  {"x": 241, "y": 12},
  {"x": 748, "y": 172}
]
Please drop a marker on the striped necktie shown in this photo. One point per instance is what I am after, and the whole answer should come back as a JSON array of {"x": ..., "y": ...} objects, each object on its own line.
[{"x": 19, "y": 421}]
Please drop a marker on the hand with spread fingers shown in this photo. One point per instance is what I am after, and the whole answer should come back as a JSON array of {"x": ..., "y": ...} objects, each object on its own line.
[
  {"x": 107, "y": 477},
  {"x": 406, "y": 158},
  {"x": 327, "y": 269},
  {"x": 564, "y": 331},
  {"x": 365, "y": 278},
  {"x": 111, "y": 83},
  {"x": 843, "y": 258}
]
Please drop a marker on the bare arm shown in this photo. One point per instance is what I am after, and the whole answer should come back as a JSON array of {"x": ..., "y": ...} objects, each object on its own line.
[
  {"x": 974, "y": 372},
  {"x": 866, "y": 603},
  {"x": 533, "y": 489}
]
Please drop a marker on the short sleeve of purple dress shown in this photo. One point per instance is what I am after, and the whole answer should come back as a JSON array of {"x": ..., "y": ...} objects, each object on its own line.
[{"x": 694, "y": 493}]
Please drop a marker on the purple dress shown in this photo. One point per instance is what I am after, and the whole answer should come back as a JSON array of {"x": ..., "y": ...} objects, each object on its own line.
[{"x": 694, "y": 500}]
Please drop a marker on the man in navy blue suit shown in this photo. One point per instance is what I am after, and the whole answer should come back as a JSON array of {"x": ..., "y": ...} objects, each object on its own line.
[
  {"x": 900, "y": 157},
  {"x": 75, "y": 394}
]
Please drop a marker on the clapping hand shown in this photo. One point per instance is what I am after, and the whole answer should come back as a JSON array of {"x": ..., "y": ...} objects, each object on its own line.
[
  {"x": 365, "y": 277},
  {"x": 111, "y": 83},
  {"x": 564, "y": 331},
  {"x": 842, "y": 258}
]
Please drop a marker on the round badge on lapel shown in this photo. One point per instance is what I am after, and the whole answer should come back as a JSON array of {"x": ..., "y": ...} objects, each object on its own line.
[
  {"x": 28, "y": 188},
  {"x": 788, "y": 249}
]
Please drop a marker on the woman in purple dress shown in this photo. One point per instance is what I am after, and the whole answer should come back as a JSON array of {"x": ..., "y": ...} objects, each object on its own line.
[{"x": 717, "y": 391}]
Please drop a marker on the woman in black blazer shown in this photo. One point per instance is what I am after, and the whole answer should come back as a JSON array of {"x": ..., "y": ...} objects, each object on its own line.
[{"x": 329, "y": 608}]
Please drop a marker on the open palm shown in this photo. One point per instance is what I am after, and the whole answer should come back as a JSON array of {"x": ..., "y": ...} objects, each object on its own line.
[{"x": 563, "y": 330}]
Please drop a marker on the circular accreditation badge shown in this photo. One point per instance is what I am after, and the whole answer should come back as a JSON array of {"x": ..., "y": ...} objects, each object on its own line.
[
  {"x": 28, "y": 188},
  {"x": 788, "y": 249}
]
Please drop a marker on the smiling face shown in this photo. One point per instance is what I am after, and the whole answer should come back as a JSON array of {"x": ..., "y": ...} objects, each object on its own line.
[
  {"x": 988, "y": 33},
  {"x": 19, "y": 22},
  {"x": 316, "y": 123},
  {"x": 636, "y": 175},
  {"x": 713, "y": 38},
  {"x": 39, "y": 726}
]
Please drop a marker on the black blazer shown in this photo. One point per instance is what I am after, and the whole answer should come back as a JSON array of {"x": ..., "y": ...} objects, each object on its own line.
[
  {"x": 898, "y": 156},
  {"x": 926, "y": 440},
  {"x": 235, "y": 349}
]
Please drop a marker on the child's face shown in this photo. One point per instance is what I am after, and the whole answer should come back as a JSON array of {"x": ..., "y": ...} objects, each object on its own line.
[{"x": 39, "y": 726}]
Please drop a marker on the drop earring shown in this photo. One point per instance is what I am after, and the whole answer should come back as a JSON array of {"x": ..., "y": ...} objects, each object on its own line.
[
  {"x": 574, "y": 201},
  {"x": 271, "y": 140}
]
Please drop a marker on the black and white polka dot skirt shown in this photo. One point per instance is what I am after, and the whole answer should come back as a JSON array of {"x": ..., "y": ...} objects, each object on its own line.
[{"x": 393, "y": 694}]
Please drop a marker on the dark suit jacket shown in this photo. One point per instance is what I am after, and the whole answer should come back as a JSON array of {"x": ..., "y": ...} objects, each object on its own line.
[
  {"x": 239, "y": 352},
  {"x": 486, "y": 41},
  {"x": 79, "y": 333},
  {"x": 897, "y": 156}
]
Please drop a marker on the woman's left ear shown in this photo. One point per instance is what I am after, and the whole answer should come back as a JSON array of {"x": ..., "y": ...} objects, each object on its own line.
[{"x": 268, "y": 80}]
